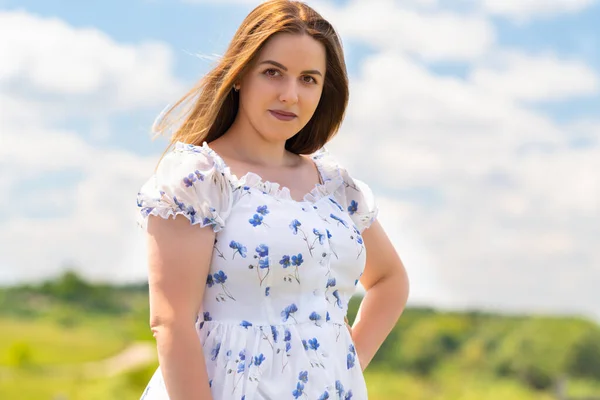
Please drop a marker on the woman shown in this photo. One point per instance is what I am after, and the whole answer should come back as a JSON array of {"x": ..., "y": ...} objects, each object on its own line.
[{"x": 257, "y": 236}]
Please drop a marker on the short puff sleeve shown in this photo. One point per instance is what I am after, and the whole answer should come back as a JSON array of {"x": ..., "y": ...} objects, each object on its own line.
[
  {"x": 187, "y": 182},
  {"x": 360, "y": 202}
]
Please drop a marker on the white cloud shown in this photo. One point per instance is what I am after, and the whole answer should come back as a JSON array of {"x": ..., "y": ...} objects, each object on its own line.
[
  {"x": 521, "y": 10},
  {"x": 435, "y": 35},
  {"x": 401, "y": 26},
  {"x": 535, "y": 77},
  {"x": 52, "y": 72},
  {"x": 507, "y": 208},
  {"x": 69, "y": 68}
]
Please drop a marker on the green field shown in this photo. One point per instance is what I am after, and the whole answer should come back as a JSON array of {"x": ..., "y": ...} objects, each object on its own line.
[{"x": 55, "y": 340}]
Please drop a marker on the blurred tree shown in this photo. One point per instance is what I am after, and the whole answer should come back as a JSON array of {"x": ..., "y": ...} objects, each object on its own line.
[{"x": 584, "y": 356}]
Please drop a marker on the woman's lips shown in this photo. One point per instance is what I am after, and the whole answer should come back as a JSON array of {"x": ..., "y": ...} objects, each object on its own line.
[{"x": 282, "y": 116}]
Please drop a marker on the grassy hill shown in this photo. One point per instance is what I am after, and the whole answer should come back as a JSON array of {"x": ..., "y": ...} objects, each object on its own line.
[{"x": 50, "y": 329}]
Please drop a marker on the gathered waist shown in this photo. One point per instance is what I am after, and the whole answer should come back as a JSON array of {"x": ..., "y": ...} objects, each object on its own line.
[{"x": 259, "y": 325}]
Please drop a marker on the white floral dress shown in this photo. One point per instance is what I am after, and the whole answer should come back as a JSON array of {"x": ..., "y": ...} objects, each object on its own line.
[{"x": 282, "y": 273}]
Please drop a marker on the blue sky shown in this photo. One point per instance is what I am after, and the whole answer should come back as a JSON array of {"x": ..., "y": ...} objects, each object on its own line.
[{"x": 484, "y": 122}]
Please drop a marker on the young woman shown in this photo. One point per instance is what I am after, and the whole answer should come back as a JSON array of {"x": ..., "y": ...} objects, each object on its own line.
[{"x": 257, "y": 236}]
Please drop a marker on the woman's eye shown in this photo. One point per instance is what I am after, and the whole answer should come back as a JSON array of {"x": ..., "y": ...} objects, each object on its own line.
[
  {"x": 309, "y": 79},
  {"x": 271, "y": 72}
]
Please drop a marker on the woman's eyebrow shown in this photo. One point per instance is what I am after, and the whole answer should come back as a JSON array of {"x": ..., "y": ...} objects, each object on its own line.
[{"x": 278, "y": 65}]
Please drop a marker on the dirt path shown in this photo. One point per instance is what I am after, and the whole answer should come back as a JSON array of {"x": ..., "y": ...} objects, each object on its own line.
[{"x": 134, "y": 356}]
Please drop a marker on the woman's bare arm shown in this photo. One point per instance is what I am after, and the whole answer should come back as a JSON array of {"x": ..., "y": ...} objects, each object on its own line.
[
  {"x": 386, "y": 284},
  {"x": 179, "y": 257}
]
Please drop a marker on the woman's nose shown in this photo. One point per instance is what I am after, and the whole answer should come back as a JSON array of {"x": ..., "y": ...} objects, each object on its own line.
[{"x": 289, "y": 92}]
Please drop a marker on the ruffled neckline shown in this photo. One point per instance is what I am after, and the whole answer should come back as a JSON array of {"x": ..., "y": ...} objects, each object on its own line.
[{"x": 326, "y": 165}]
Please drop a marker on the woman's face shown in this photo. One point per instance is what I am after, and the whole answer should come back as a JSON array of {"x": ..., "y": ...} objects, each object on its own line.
[{"x": 281, "y": 91}]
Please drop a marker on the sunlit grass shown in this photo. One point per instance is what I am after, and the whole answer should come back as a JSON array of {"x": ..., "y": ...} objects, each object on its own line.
[{"x": 45, "y": 342}]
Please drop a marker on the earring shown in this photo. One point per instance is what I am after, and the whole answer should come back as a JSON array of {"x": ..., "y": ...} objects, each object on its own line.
[{"x": 236, "y": 88}]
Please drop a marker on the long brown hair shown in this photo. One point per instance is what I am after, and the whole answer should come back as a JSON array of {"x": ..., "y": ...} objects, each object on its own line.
[{"x": 211, "y": 106}]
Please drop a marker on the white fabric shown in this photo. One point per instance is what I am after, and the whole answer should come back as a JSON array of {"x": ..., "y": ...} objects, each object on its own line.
[{"x": 282, "y": 273}]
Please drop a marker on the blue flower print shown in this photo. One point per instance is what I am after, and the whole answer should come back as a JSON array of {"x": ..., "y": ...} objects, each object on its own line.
[
  {"x": 242, "y": 355},
  {"x": 262, "y": 254},
  {"x": 339, "y": 388},
  {"x": 220, "y": 278},
  {"x": 338, "y": 301},
  {"x": 287, "y": 337},
  {"x": 329, "y": 236},
  {"x": 256, "y": 220},
  {"x": 350, "y": 361},
  {"x": 259, "y": 359},
  {"x": 207, "y": 316},
  {"x": 353, "y": 207},
  {"x": 330, "y": 283},
  {"x": 294, "y": 226},
  {"x": 303, "y": 376},
  {"x": 262, "y": 250},
  {"x": 358, "y": 238},
  {"x": 241, "y": 367},
  {"x": 146, "y": 210},
  {"x": 262, "y": 210},
  {"x": 348, "y": 395},
  {"x": 263, "y": 263},
  {"x": 313, "y": 344},
  {"x": 209, "y": 281},
  {"x": 285, "y": 261},
  {"x": 189, "y": 180},
  {"x": 179, "y": 204},
  {"x": 245, "y": 324},
  {"x": 274, "y": 333},
  {"x": 324, "y": 396},
  {"x": 215, "y": 352},
  {"x": 339, "y": 220},
  {"x": 297, "y": 260},
  {"x": 299, "y": 391},
  {"x": 319, "y": 236},
  {"x": 327, "y": 317},
  {"x": 244, "y": 189},
  {"x": 238, "y": 248},
  {"x": 288, "y": 311},
  {"x": 267, "y": 290},
  {"x": 191, "y": 213},
  {"x": 315, "y": 318},
  {"x": 336, "y": 204}
]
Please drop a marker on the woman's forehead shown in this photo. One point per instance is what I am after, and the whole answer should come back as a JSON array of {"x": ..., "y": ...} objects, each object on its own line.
[{"x": 297, "y": 52}]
